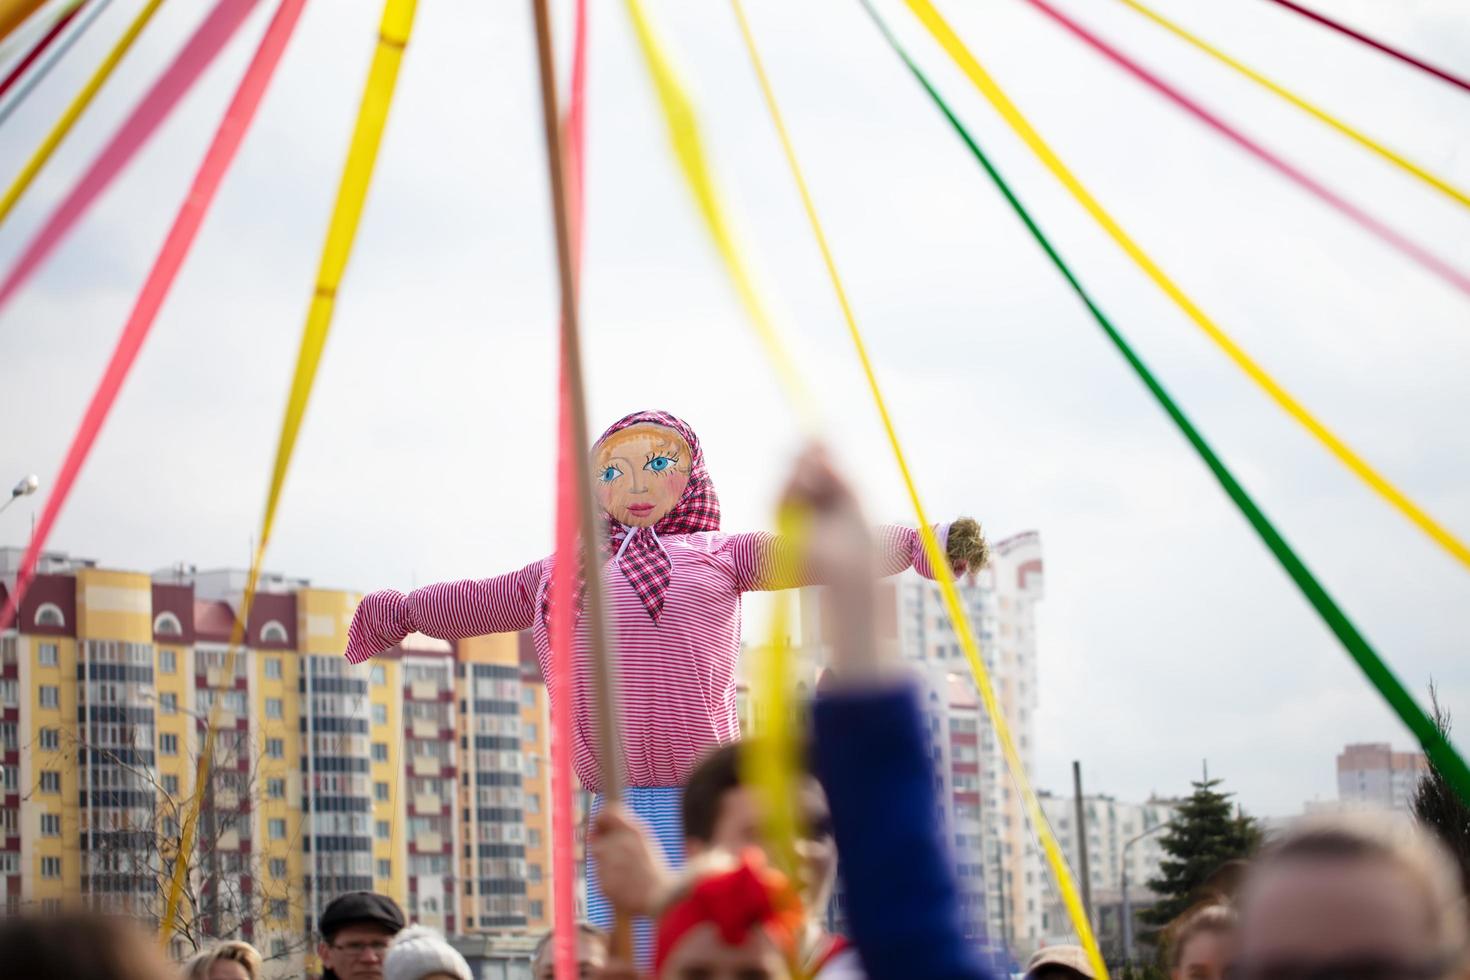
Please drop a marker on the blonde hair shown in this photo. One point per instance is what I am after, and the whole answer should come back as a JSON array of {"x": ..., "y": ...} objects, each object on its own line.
[
  {"x": 1380, "y": 836},
  {"x": 233, "y": 951},
  {"x": 1210, "y": 917}
]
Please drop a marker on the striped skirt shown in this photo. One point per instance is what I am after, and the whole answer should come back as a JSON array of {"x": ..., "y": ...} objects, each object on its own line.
[{"x": 658, "y": 807}]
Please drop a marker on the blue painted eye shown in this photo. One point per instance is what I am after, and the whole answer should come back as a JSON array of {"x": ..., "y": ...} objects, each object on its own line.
[
  {"x": 610, "y": 474},
  {"x": 659, "y": 464}
]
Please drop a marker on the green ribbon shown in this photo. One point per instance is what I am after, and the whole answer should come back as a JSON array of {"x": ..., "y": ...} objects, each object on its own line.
[{"x": 1442, "y": 755}]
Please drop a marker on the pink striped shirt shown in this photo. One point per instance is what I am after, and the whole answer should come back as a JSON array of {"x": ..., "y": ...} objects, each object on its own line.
[{"x": 676, "y": 678}]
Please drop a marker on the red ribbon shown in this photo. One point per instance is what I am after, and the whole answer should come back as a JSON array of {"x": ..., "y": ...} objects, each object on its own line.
[
  {"x": 217, "y": 159},
  {"x": 561, "y": 628}
]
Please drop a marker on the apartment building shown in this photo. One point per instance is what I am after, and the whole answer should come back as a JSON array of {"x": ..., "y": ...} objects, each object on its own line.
[
  {"x": 1373, "y": 774},
  {"x": 420, "y": 774}
]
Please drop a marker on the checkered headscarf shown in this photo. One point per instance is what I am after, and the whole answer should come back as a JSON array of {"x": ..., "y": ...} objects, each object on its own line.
[{"x": 643, "y": 561}]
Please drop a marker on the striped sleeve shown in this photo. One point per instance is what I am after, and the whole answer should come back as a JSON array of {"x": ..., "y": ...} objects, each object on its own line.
[
  {"x": 449, "y": 611},
  {"x": 766, "y": 562}
]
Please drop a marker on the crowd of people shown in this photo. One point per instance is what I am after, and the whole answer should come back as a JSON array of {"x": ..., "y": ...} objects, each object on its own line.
[{"x": 1359, "y": 896}]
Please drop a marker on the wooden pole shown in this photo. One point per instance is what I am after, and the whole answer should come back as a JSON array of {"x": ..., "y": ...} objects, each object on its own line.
[
  {"x": 603, "y": 674},
  {"x": 1082, "y": 868}
]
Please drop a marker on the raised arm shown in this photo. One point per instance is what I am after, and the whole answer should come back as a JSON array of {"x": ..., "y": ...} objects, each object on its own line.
[
  {"x": 449, "y": 610},
  {"x": 766, "y": 562}
]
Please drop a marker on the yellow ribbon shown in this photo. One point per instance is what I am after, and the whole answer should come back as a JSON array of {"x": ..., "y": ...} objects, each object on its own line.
[
  {"x": 688, "y": 145},
  {"x": 938, "y": 561},
  {"x": 771, "y": 759},
  {"x": 955, "y": 48},
  {"x": 74, "y": 111},
  {"x": 372, "y": 116},
  {"x": 1322, "y": 115},
  {"x": 770, "y": 762}
]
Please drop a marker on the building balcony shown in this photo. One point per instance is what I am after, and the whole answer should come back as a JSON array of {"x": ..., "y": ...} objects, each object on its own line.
[
  {"x": 425, "y": 728},
  {"x": 426, "y": 765},
  {"x": 423, "y": 690}
]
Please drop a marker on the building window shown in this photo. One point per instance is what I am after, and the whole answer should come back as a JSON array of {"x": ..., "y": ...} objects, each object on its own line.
[
  {"x": 533, "y": 802},
  {"x": 275, "y": 748},
  {"x": 168, "y": 662},
  {"x": 50, "y": 906},
  {"x": 167, "y": 624},
  {"x": 537, "y": 909},
  {"x": 533, "y": 873},
  {"x": 50, "y": 825},
  {"x": 380, "y": 792},
  {"x": 380, "y": 751},
  {"x": 278, "y": 867},
  {"x": 171, "y": 785},
  {"x": 46, "y": 655},
  {"x": 383, "y": 830},
  {"x": 278, "y": 948},
  {"x": 49, "y": 614},
  {"x": 385, "y": 868},
  {"x": 275, "y": 789},
  {"x": 50, "y": 696},
  {"x": 274, "y": 708},
  {"x": 528, "y": 696},
  {"x": 168, "y": 744},
  {"x": 12, "y": 781},
  {"x": 380, "y": 714},
  {"x": 279, "y": 909},
  {"x": 50, "y": 780},
  {"x": 533, "y": 837},
  {"x": 51, "y": 739},
  {"x": 274, "y": 632},
  {"x": 8, "y": 694},
  {"x": 273, "y": 668},
  {"x": 277, "y": 828},
  {"x": 168, "y": 703},
  {"x": 379, "y": 675},
  {"x": 50, "y": 866}
]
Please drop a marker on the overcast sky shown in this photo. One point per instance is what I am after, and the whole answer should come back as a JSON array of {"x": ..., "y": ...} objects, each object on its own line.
[{"x": 1168, "y": 634}]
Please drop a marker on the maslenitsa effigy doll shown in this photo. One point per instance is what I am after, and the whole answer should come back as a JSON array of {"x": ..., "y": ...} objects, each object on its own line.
[{"x": 674, "y": 583}]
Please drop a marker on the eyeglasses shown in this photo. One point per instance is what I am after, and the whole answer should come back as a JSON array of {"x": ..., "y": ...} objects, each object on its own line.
[{"x": 358, "y": 950}]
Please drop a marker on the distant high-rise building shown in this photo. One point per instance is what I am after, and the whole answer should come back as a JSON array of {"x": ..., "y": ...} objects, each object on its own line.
[
  {"x": 420, "y": 774},
  {"x": 1001, "y": 872},
  {"x": 1374, "y": 774}
]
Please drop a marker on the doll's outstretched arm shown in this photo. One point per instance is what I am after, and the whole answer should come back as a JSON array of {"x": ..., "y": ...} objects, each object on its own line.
[
  {"x": 766, "y": 562},
  {"x": 449, "y": 611}
]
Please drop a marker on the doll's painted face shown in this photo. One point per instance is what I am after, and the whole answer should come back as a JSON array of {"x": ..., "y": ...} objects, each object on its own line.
[{"x": 640, "y": 473}]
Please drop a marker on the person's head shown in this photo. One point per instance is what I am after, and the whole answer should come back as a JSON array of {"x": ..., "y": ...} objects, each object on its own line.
[
  {"x": 1202, "y": 943},
  {"x": 233, "y": 960},
  {"x": 420, "y": 953},
  {"x": 1358, "y": 894},
  {"x": 720, "y": 812},
  {"x": 356, "y": 929},
  {"x": 79, "y": 946},
  {"x": 591, "y": 953},
  {"x": 737, "y": 922},
  {"x": 1059, "y": 962},
  {"x": 645, "y": 465}
]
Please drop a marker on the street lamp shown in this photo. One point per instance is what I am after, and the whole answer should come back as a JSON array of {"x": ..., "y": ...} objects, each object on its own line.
[
  {"x": 1128, "y": 906},
  {"x": 27, "y": 486}
]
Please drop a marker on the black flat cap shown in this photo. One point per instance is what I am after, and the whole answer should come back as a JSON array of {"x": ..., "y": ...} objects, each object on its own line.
[{"x": 355, "y": 908}]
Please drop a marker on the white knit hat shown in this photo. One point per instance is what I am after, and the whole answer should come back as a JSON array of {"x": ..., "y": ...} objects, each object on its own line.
[{"x": 418, "y": 952}]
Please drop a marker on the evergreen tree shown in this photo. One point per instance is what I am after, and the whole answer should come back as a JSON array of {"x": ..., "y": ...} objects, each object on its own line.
[
  {"x": 1439, "y": 808},
  {"x": 1204, "y": 836}
]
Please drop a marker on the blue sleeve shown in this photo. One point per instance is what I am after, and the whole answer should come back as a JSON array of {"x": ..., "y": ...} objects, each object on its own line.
[{"x": 903, "y": 903}]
